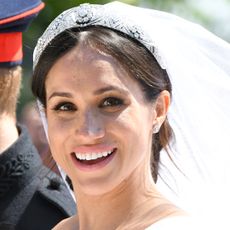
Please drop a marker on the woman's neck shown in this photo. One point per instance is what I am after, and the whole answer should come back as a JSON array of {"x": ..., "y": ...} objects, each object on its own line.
[
  {"x": 8, "y": 132},
  {"x": 110, "y": 210}
]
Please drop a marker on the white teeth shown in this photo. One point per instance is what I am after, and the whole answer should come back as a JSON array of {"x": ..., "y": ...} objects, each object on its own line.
[
  {"x": 82, "y": 156},
  {"x": 104, "y": 154},
  {"x": 92, "y": 156}
]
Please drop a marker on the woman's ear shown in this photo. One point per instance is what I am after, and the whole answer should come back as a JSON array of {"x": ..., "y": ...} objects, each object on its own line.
[{"x": 161, "y": 109}]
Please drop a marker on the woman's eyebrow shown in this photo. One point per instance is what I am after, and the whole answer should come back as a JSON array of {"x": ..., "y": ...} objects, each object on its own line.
[
  {"x": 110, "y": 88},
  {"x": 60, "y": 94},
  {"x": 97, "y": 92}
]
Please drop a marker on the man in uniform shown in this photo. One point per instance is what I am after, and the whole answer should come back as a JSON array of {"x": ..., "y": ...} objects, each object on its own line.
[{"x": 32, "y": 197}]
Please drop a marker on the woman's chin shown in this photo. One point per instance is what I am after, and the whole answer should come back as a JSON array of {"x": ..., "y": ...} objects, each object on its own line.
[{"x": 96, "y": 188}]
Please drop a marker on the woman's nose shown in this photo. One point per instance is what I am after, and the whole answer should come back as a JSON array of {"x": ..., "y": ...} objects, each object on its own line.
[{"x": 90, "y": 125}]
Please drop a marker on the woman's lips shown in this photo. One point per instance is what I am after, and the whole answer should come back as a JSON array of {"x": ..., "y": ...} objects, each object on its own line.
[{"x": 93, "y": 159}]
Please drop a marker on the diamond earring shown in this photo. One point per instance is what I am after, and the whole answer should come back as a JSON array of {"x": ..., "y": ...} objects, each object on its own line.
[{"x": 156, "y": 128}]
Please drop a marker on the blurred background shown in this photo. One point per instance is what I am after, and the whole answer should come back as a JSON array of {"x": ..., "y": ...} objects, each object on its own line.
[{"x": 213, "y": 15}]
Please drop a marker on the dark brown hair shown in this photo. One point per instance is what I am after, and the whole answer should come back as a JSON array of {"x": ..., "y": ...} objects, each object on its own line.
[{"x": 130, "y": 54}]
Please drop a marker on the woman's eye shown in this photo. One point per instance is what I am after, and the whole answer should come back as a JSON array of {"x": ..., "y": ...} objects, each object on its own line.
[
  {"x": 112, "y": 101},
  {"x": 66, "y": 106}
]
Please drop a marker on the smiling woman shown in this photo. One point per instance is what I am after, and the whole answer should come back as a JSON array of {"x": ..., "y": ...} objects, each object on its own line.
[
  {"x": 95, "y": 115},
  {"x": 101, "y": 115},
  {"x": 92, "y": 53},
  {"x": 102, "y": 82}
]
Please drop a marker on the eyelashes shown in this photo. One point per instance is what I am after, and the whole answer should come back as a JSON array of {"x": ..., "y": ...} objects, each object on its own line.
[
  {"x": 64, "y": 106},
  {"x": 109, "y": 103}
]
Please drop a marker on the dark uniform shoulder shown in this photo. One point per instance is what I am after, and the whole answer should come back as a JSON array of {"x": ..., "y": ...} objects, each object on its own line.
[
  {"x": 51, "y": 203},
  {"x": 55, "y": 190},
  {"x": 32, "y": 197}
]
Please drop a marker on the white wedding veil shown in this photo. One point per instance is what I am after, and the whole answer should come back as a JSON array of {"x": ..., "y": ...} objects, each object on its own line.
[{"x": 196, "y": 176}]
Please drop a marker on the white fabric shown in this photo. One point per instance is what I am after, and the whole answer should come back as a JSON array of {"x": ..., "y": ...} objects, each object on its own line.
[
  {"x": 176, "y": 223},
  {"x": 198, "y": 64}
]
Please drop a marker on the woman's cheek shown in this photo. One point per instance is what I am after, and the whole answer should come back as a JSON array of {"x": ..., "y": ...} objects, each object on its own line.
[{"x": 57, "y": 132}]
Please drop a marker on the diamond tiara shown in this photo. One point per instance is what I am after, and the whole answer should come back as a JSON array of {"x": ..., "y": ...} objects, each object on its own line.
[{"x": 87, "y": 15}]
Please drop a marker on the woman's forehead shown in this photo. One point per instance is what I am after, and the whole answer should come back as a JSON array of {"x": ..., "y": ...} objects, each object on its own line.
[
  {"x": 87, "y": 53},
  {"x": 84, "y": 58},
  {"x": 86, "y": 69}
]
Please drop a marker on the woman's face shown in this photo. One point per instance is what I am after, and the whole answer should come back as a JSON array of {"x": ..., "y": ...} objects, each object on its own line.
[{"x": 99, "y": 123}]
